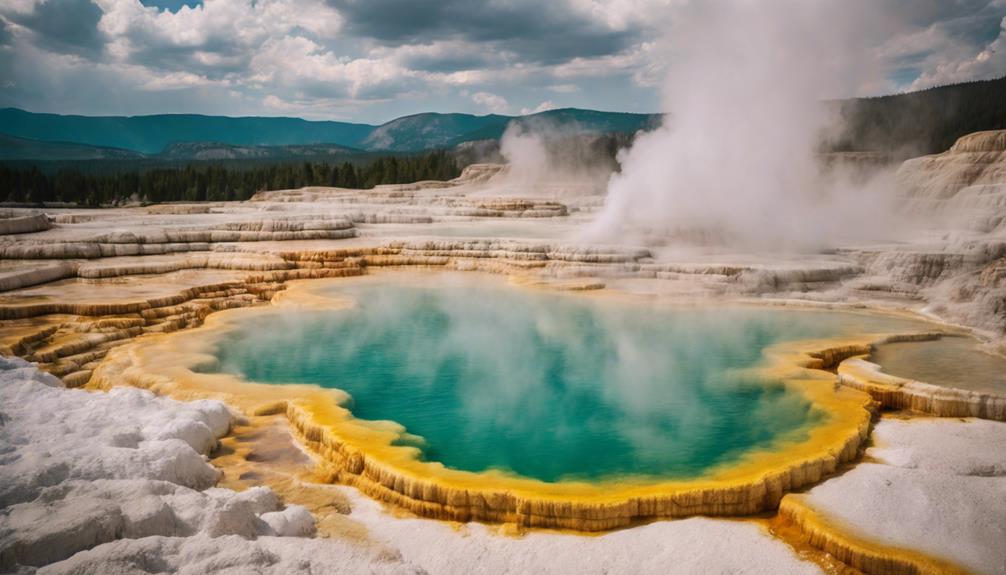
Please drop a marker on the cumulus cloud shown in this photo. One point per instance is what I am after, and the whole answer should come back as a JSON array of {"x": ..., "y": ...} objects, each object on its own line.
[
  {"x": 444, "y": 56},
  {"x": 491, "y": 102},
  {"x": 924, "y": 43},
  {"x": 376, "y": 59},
  {"x": 988, "y": 62}
]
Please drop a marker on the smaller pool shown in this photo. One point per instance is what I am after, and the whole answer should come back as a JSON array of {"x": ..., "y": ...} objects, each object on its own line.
[{"x": 949, "y": 362}]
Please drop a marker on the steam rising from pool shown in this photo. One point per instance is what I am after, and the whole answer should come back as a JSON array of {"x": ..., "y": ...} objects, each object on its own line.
[
  {"x": 543, "y": 385},
  {"x": 736, "y": 159}
]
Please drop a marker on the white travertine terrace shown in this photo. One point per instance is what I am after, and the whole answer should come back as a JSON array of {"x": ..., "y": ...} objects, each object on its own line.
[
  {"x": 81, "y": 470},
  {"x": 975, "y": 160},
  {"x": 23, "y": 223},
  {"x": 930, "y": 485},
  {"x": 77, "y": 283}
]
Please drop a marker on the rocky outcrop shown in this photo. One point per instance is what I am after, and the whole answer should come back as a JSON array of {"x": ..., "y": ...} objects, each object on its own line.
[{"x": 24, "y": 224}]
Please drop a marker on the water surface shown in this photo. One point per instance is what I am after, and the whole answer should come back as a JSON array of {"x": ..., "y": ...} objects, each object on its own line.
[
  {"x": 949, "y": 362},
  {"x": 548, "y": 386}
]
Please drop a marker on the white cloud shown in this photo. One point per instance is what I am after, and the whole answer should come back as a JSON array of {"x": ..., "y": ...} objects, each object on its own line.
[
  {"x": 175, "y": 80},
  {"x": 988, "y": 62},
  {"x": 220, "y": 34},
  {"x": 299, "y": 65},
  {"x": 643, "y": 62},
  {"x": 491, "y": 102}
]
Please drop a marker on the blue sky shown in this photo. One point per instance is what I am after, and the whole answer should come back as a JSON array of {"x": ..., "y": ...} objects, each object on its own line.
[{"x": 373, "y": 60}]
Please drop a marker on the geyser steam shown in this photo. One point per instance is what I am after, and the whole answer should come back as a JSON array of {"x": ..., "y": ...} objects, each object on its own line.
[
  {"x": 546, "y": 158},
  {"x": 736, "y": 158}
]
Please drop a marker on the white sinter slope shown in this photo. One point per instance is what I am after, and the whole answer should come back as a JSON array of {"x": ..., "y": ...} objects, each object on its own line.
[{"x": 122, "y": 474}]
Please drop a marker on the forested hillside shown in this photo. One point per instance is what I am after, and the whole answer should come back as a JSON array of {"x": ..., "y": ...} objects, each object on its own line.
[
  {"x": 213, "y": 182},
  {"x": 926, "y": 122}
]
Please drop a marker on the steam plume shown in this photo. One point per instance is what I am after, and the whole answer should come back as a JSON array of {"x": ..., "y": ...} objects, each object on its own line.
[
  {"x": 545, "y": 158},
  {"x": 735, "y": 160}
]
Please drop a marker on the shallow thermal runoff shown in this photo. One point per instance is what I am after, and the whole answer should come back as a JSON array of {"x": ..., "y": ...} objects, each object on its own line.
[{"x": 210, "y": 474}]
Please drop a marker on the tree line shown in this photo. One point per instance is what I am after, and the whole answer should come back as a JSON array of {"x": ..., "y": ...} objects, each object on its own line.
[
  {"x": 926, "y": 122},
  {"x": 214, "y": 182}
]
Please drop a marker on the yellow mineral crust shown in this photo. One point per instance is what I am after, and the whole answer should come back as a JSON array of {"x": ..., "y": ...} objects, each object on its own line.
[
  {"x": 362, "y": 454},
  {"x": 841, "y": 541}
]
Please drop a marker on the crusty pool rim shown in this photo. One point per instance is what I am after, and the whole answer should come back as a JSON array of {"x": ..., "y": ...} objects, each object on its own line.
[{"x": 360, "y": 453}]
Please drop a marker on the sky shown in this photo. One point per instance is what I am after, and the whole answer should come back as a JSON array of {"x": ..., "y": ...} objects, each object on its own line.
[{"x": 374, "y": 60}]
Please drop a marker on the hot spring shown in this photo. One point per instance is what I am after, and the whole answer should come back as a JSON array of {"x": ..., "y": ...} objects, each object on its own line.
[{"x": 547, "y": 386}]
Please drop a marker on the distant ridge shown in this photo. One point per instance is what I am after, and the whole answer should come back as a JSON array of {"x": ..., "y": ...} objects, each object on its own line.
[
  {"x": 14, "y": 148},
  {"x": 899, "y": 126},
  {"x": 151, "y": 135}
]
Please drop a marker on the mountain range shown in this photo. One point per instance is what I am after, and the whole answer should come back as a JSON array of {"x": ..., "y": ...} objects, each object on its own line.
[
  {"x": 900, "y": 126},
  {"x": 29, "y": 135}
]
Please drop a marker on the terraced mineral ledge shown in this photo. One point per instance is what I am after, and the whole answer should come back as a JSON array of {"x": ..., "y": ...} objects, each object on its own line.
[{"x": 139, "y": 296}]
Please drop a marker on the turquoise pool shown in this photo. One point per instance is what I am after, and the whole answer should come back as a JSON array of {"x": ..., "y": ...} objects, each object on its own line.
[{"x": 548, "y": 386}]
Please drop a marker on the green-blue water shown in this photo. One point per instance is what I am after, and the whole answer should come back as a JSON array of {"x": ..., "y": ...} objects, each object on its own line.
[{"x": 548, "y": 386}]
